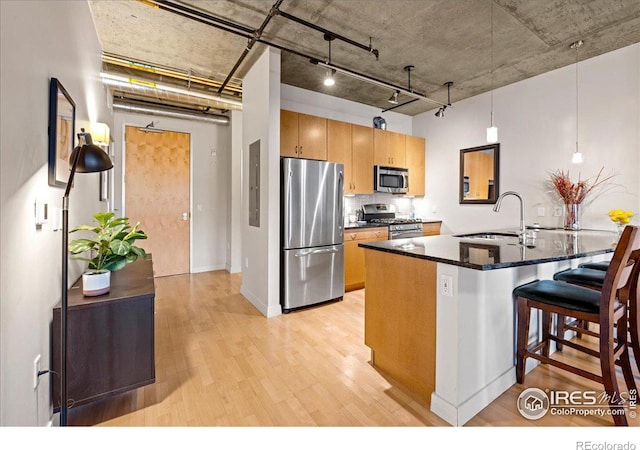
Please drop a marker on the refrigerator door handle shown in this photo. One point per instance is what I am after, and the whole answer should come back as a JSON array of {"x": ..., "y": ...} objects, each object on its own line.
[{"x": 316, "y": 252}]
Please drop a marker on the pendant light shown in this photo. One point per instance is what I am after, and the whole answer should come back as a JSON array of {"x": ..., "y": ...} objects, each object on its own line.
[
  {"x": 492, "y": 132},
  {"x": 577, "y": 156},
  {"x": 328, "y": 79}
]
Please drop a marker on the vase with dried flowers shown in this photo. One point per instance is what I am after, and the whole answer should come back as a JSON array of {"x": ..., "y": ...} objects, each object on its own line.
[{"x": 573, "y": 195}]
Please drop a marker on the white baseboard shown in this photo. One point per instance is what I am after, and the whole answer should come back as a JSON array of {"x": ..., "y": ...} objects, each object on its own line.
[
  {"x": 266, "y": 310},
  {"x": 461, "y": 414},
  {"x": 208, "y": 268},
  {"x": 233, "y": 269}
]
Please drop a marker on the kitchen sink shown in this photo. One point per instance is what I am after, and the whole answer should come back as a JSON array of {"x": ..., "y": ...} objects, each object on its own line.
[{"x": 487, "y": 235}]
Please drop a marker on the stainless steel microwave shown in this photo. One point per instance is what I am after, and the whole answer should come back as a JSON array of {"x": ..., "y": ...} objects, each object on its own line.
[{"x": 391, "y": 179}]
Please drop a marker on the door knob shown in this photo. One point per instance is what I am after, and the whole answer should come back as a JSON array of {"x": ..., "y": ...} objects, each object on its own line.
[{"x": 185, "y": 216}]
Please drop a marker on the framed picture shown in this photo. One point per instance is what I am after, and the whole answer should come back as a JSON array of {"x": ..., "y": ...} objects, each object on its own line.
[
  {"x": 62, "y": 117},
  {"x": 479, "y": 174}
]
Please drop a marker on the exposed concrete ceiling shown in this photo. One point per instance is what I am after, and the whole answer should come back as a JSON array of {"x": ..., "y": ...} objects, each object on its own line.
[{"x": 446, "y": 40}]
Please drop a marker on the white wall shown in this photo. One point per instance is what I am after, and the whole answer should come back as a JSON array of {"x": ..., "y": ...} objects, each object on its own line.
[
  {"x": 261, "y": 245},
  {"x": 39, "y": 40},
  {"x": 234, "y": 205},
  {"x": 308, "y": 102},
  {"x": 209, "y": 183},
  {"x": 536, "y": 122}
]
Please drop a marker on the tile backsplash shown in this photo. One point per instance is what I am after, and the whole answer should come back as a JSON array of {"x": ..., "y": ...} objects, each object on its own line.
[{"x": 404, "y": 206}]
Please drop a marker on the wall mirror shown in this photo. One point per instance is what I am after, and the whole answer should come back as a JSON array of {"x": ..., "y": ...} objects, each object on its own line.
[
  {"x": 62, "y": 115},
  {"x": 479, "y": 174}
]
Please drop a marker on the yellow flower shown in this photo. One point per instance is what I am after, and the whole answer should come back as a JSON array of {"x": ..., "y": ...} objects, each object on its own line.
[{"x": 620, "y": 215}]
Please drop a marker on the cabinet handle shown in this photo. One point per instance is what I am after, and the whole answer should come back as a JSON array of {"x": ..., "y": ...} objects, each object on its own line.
[
  {"x": 353, "y": 236},
  {"x": 296, "y": 150},
  {"x": 377, "y": 234},
  {"x": 301, "y": 150}
]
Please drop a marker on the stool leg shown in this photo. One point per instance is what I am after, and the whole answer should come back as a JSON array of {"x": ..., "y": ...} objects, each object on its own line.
[
  {"x": 524, "y": 313},
  {"x": 625, "y": 361},
  {"x": 560, "y": 330},
  {"x": 608, "y": 366},
  {"x": 634, "y": 318},
  {"x": 546, "y": 332}
]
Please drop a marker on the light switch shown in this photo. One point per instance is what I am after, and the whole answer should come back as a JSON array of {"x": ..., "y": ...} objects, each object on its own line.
[
  {"x": 56, "y": 219},
  {"x": 41, "y": 211},
  {"x": 541, "y": 211}
]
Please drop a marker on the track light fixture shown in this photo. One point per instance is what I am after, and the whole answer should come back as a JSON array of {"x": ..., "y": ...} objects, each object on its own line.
[
  {"x": 328, "y": 79},
  {"x": 394, "y": 98},
  {"x": 440, "y": 111}
]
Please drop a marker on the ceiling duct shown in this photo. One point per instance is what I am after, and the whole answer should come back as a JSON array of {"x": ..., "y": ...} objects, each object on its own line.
[
  {"x": 153, "y": 89},
  {"x": 164, "y": 111}
]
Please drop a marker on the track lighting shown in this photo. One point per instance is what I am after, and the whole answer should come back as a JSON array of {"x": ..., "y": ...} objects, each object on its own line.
[
  {"x": 440, "y": 111},
  {"x": 328, "y": 79},
  {"x": 394, "y": 98}
]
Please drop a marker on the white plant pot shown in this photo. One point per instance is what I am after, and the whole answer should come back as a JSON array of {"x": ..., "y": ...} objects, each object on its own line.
[{"x": 96, "y": 282}]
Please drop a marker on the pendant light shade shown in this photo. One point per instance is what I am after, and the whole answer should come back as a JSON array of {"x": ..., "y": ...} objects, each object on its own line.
[
  {"x": 577, "y": 156},
  {"x": 492, "y": 135},
  {"x": 492, "y": 131}
]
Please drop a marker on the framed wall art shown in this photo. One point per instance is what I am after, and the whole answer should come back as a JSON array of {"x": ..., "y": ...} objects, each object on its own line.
[{"x": 62, "y": 117}]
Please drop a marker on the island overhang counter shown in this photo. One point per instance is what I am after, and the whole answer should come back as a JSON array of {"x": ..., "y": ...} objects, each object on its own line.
[{"x": 439, "y": 311}]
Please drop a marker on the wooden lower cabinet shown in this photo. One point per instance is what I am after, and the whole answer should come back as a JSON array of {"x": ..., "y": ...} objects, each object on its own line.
[
  {"x": 431, "y": 228},
  {"x": 354, "y": 273}
]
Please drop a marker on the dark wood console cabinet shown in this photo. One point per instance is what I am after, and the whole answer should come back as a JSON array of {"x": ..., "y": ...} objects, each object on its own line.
[{"x": 110, "y": 343}]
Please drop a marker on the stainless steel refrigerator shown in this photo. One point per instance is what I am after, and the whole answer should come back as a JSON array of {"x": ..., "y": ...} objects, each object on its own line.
[{"x": 312, "y": 238}]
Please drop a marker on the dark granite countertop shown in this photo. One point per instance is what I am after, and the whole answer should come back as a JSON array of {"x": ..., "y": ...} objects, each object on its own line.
[
  {"x": 355, "y": 226},
  {"x": 504, "y": 251}
]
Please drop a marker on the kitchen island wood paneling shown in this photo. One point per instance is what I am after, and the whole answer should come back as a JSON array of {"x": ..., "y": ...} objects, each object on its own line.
[{"x": 474, "y": 319}]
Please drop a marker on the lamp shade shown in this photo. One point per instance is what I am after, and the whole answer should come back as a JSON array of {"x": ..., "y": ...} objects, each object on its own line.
[
  {"x": 91, "y": 158},
  {"x": 100, "y": 133}
]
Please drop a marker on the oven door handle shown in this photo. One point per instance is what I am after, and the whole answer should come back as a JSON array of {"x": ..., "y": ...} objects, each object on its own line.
[{"x": 406, "y": 233}]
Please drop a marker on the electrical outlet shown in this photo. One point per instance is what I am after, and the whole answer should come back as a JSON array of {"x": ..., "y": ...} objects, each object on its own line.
[
  {"x": 557, "y": 211},
  {"x": 541, "y": 211},
  {"x": 36, "y": 371},
  {"x": 446, "y": 285}
]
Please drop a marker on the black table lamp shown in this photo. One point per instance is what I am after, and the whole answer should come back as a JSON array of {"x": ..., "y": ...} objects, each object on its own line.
[{"x": 85, "y": 158}]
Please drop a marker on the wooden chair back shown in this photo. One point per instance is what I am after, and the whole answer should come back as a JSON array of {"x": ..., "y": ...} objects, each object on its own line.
[{"x": 623, "y": 270}]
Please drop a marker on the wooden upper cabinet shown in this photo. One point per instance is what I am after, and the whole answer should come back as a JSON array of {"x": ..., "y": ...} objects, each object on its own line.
[
  {"x": 339, "y": 148},
  {"x": 303, "y": 135},
  {"x": 397, "y": 149},
  {"x": 288, "y": 133},
  {"x": 415, "y": 154},
  {"x": 352, "y": 145},
  {"x": 312, "y": 137},
  {"x": 389, "y": 148},
  {"x": 362, "y": 159}
]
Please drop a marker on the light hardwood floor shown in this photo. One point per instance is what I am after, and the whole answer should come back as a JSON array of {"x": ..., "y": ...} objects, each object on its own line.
[{"x": 219, "y": 362}]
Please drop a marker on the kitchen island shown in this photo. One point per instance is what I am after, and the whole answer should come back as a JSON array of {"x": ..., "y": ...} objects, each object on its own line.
[{"x": 439, "y": 312}]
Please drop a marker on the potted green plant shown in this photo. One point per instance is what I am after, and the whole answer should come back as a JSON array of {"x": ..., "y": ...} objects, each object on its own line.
[{"x": 112, "y": 245}]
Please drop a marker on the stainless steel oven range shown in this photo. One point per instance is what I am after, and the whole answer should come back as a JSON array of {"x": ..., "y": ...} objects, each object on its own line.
[{"x": 399, "y": 228}]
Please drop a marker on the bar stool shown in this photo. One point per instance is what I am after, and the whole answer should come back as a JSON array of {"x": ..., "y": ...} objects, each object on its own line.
[
  {"x": 604, "y": 266},
  {"x": 592, "y": 275},
  {"x": 601, "y": 307}
]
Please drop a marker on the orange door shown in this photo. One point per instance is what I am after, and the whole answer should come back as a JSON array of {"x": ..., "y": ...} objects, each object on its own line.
[{"x": 157, "y": 195}]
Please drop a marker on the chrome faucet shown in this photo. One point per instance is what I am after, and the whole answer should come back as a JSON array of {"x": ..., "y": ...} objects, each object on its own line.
[{"x": 496, "y": 208}]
